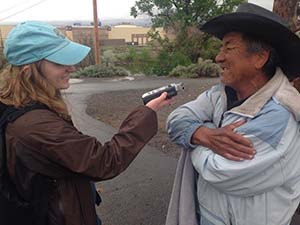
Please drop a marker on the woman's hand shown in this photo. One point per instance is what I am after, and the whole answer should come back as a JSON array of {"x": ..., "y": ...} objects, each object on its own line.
[{"x": 159, "y": 102}]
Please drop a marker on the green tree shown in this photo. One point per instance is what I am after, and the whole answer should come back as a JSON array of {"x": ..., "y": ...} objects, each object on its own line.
[
  {"x": 178, "y": 14},
  {"x": 289, "y": 10},
  {"x": 182, "y": 19}
]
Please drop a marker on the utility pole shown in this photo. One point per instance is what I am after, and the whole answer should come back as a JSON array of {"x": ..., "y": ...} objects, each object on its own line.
[
  {"x": 96, "y": 34},
  {"x": 1, "y": 41}
]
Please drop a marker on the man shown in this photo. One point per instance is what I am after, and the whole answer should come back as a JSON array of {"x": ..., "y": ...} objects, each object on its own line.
[{"x": 244, "y": 132}]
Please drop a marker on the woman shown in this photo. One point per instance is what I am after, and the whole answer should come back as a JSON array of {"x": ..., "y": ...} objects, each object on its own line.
[{"x": 43, "y": 146}]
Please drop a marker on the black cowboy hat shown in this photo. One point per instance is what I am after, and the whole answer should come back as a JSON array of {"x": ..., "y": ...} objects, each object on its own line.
[{"x": 264, "y": 25}]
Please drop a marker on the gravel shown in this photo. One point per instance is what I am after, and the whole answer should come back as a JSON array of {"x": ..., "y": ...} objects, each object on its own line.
[{"x": 112, "y": 108}]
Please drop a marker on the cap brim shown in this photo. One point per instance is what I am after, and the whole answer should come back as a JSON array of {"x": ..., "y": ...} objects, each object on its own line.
[
  {"x": 71, "y": 54},
  {"x": 278, "y": 36}
]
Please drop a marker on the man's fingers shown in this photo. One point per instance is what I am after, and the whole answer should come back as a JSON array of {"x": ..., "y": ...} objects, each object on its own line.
[
  {"x": 246, "y": 154},
  {"x": 236, "y": 124},
  {"x": 231, "y": 145},
  {"x": 235, "y": 155},
  {"x": 232, "y": 157},
  {"x": 238, "y": 138},
  {"x": 230, "y": 137},
  {"x": 245, "y": 150},
  {"x": 227, "y": 145}
]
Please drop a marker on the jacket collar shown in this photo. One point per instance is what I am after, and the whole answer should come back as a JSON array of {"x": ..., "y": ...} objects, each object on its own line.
[{"x": 278, "y": 87}]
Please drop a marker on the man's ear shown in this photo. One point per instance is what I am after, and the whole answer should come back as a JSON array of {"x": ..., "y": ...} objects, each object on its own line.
[{"x": 261, "y": 59}]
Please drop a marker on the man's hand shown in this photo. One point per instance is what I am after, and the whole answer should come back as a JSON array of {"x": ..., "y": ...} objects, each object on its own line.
[{"x": 225, "y": 142}]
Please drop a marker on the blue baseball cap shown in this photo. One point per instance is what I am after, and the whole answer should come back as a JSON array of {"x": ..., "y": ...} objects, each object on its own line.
[{"x": 32, "y": 41}]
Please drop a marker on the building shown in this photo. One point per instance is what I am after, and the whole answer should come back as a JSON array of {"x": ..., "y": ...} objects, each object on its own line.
[
  {"x": 109, "y": 36},
  {"x": 4, "y": 30},
  {"x": 116, "y": 35},
  {"x": 132, "y": 34}
]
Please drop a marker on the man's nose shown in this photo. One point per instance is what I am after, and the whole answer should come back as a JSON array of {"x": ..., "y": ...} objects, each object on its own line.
[{"x": 219, "y": 57}]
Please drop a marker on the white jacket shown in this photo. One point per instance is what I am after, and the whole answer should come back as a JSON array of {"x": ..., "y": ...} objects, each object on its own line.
[{"x": 261, "y": 191}]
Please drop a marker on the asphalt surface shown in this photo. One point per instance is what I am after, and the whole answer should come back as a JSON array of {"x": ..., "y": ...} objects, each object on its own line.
[{"x": 140, "y": 195}]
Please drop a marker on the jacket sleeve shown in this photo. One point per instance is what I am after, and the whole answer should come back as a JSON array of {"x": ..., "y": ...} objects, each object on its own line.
[
  {"x": 58, "y": 149},
  {"x": 276, "y": 162},
  {"x": 186, "y": 119}
]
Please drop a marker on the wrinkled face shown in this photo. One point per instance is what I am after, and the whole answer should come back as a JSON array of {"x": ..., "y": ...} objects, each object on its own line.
[
  {"x": 58, "y": 75},
  {"x": 238, "y": 66}
]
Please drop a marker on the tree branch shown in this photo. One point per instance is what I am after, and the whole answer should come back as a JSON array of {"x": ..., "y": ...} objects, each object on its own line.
[{"x": 288, "y": 10}]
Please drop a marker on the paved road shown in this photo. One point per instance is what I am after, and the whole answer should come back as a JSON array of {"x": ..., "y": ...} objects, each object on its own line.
[{"x": 140, "y": 195}]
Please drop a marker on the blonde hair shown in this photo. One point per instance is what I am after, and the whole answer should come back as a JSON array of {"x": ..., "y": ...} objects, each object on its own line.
[{"x": 21, "y": 85}]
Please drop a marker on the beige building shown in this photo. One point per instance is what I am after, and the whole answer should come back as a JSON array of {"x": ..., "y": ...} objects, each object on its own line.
[
  {"x": 132, "y": 34},
  {"x": 78, "y": 33},
  {"x": 4, "y": 30},
  {"x": 115, "y": 35}
]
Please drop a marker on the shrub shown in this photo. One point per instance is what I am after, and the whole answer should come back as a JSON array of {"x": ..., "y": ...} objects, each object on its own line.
[
  {"x": 140, "y": 59},
  {"x": 208, "y": 68},
  {"x": 108, "y": 57},
  {"x": 100, "y": 71},
  {"x": 185, "y": 71},
  {"x": 166, "y": 62},
  {"x": 203, "y": 68},
  {"x": 145, "y": 60}
]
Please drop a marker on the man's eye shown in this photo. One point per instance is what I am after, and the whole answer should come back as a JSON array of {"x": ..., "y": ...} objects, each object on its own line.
[{"x": 230, "y": 48}]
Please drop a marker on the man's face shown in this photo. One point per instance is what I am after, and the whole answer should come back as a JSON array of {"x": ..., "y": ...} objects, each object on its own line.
[{"x": 238, "y": 66}]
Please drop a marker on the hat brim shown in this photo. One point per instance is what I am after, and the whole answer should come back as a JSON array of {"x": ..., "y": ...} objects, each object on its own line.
[
  {"x": 71, "y": 54},
  {"x": 278, "y": 36}
]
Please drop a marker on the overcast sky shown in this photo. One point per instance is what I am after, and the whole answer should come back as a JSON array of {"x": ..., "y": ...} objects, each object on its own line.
[{"x": 20, "y": 10}]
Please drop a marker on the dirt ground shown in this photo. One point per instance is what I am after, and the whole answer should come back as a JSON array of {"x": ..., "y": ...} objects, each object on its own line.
[{"x": 112, "y": 108}]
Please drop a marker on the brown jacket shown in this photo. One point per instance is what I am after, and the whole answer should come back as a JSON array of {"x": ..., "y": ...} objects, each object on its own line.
[{"x": 42, "y": 143}]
